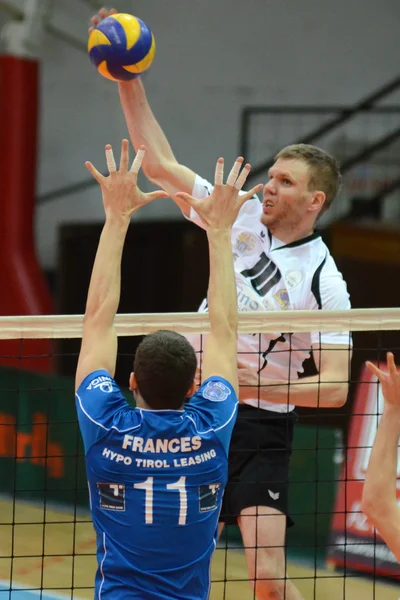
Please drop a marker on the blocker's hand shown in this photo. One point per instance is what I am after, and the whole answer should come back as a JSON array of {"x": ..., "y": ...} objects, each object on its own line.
[
  {"x": 102, "y": 14},
  {"x": 121, "y": 195},
  {"x": 220, "y": 209},
  {"x": 390, "y": 381}
]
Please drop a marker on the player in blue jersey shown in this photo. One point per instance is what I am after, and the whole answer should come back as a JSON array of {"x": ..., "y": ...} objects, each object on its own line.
[{"x": 157, "y": 472}]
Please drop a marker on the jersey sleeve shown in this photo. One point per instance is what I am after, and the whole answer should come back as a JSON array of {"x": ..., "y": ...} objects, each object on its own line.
[
  {"x": 216, "y": 403},
  {"x": 98, "y": 399},
  {"x": 333, "y": 295}
]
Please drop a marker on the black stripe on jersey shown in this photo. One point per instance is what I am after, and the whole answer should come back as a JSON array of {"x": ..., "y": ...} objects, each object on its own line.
[
  {"x": 263, "y": 276},
  {"x": 258, "y": 267},
  {"x": 305, "y": 240},
  {"x": 266, "y": 274},
  {"x": 315, "y": 284},
  {"x": 270, "y": 283}
]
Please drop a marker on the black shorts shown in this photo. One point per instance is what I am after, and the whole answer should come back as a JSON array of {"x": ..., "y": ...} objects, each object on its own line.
[{"x": 259, "y": 459}]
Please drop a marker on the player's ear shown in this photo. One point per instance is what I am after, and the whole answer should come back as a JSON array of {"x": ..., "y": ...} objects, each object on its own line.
[
  {"x": 191, "y": 390},
  {"x": 133, "y": 386},
  {"x": 318, "y": 200}
]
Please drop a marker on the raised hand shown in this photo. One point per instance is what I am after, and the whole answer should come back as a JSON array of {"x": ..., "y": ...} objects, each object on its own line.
[
  {"x": 390, "y": 381},
  {"x": 220, "y": 209},
  {"x": 102, "y": 14},
  {"x": 121, "y": 195}
]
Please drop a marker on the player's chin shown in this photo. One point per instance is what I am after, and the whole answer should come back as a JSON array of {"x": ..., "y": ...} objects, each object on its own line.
[{"x": 267, "y": 219}]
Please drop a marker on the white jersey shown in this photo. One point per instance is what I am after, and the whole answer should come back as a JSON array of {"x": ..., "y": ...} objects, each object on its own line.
[{"x": 273, "y": 276}]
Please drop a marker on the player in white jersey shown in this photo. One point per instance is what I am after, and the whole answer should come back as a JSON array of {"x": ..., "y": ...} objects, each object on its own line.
[
  {"x": 271, "y": 275},
  {"x": 280, "y": 264},
  {"x": 379, "y": 501},
  {"x": 274, "y": 275}
]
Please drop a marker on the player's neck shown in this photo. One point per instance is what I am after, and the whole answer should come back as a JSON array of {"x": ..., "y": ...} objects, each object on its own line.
[
  {"x": 288, "y": 235},
  {"x": 140, "y": 403}
]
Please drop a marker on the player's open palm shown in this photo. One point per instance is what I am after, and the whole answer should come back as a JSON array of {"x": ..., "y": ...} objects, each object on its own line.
[
  {"x": 220, "y": 209},
  {"x": 121, "y": 194},
  {"x": 390, "y": 381}
]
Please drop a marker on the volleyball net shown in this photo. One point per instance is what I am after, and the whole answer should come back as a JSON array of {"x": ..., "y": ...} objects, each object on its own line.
[{"x": 47, "y": 540}]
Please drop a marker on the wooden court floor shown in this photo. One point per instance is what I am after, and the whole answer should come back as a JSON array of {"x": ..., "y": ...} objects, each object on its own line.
[{"x": 59, "y": 557}]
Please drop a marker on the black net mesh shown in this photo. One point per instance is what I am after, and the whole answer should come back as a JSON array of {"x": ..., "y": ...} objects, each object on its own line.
[{"x": 47, "y": 540}]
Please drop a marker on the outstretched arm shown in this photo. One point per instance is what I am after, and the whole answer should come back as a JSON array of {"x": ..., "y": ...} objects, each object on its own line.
[
  {"x": 159, "y": 165},
  {"x": 99, "y": 340},
  {"x": 218, "y": 213},
  {"x": 379, "y": 500},
  {"x": 121, "y": 198}
]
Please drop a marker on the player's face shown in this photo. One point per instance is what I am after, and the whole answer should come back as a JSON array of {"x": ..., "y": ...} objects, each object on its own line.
[{"x": 286, "y": 196}]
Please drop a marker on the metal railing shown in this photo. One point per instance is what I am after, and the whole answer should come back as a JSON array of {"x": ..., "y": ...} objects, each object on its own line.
[
  {"x": 366, "y": 143},
  {"x": 333, "y": 127},
  {"x": 343, "y": 115}
]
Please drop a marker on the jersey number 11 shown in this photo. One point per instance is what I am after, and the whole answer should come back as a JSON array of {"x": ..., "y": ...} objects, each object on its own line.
[{"x": 179, "y": 485}]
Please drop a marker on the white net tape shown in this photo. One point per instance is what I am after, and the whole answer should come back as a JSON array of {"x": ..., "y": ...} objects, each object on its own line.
[{"x": 291, "y": 321}]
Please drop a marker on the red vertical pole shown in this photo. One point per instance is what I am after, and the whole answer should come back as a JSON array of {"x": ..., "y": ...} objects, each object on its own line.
[{"x": 24, "y": 290}]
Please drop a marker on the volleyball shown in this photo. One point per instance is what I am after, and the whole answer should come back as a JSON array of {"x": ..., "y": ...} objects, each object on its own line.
[{"x": 121, "y": 47}]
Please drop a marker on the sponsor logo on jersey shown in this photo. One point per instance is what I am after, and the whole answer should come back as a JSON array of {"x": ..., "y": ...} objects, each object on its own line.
[
  {"x": 208, "y": 496},
  {"x": 293, "y": 279},
  {"x": 216, "y": 391},
  {"x": 247, "y": 297},
  {"x": 245, "y": 242},
  {"x": 112, "y": 496},
  {"x": 159, "y": 463},
  {"x": 274, "y": 495},
  {"x": 268, "y": 305},
  {"x": 103, "y": 382},
  {"x": 282, "y": 297}
]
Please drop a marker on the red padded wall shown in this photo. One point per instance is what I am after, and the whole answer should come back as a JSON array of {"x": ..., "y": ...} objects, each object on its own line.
[{"x": 22, "y": 283}]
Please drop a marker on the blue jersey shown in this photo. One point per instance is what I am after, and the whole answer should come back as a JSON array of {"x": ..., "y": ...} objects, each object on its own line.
[{"x": 156, "y": 480}]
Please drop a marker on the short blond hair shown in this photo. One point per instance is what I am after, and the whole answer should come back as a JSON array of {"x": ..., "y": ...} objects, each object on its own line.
[{"x": 324, "y": 169}]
